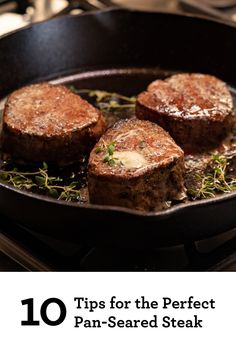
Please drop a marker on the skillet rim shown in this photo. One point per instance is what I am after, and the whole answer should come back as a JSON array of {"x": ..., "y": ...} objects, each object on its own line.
[{"x": 174, "y": 210}]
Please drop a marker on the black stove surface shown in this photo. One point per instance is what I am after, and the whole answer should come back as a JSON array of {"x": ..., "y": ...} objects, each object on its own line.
[{"x": 23, "y": 249}]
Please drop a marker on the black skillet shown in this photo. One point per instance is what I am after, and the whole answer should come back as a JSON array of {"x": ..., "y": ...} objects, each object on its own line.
[{"x": 118, "y": 50}]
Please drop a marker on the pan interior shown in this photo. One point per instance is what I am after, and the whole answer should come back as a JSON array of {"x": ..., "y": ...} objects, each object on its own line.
[{"x": 125, "y": 81}]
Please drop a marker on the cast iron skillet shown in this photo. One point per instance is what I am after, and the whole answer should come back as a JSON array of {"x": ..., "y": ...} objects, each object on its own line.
[{"x": 118, "y": 50}]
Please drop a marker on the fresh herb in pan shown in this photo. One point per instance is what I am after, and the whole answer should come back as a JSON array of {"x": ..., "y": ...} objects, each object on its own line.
[
  {"x": 108, "y": 101},
  {"x": 47, "y": 184},
  {"x": 109, "y": 153},
  {"x": 99, "y": 149},
  {"x": 219, "y": 177},
  {"x": 109, "y": 158},
  {"x": 142, "y": 144}
]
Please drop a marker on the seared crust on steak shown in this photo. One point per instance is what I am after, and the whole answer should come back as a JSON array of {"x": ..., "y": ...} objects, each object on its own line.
[
  {"x": 144, "y": 171},
  {"x": 196, "y": 109},
  {"x": 44, "y": 122}
]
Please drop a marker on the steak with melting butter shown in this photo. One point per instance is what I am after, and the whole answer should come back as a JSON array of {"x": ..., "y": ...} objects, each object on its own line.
[{"x": 136, "y": 164}]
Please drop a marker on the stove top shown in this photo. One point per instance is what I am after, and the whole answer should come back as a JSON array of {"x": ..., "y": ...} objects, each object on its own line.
[{"x": 22, "y": 249}]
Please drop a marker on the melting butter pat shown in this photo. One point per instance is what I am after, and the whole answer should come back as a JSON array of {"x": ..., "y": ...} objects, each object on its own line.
[{"x": 130, "y": 159}]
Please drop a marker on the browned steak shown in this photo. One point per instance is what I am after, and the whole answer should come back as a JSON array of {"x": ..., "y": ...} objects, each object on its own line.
[
  {"x": 196, "y": 109},
  {"x": 136, "y": 164},
  {"x": 45, "y": 122}
]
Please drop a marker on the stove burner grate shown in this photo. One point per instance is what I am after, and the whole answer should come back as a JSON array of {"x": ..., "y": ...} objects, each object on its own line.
[{"x": 36, "y": 252}]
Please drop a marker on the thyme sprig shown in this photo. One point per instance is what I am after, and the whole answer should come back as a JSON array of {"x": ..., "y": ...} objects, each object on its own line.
[
  {"x": 107, "y": 101},
  {"x": 109, "y": 153},
  {"x": 41, "y": 179},
  {"x": 218, "y": 178},
  {"x": 109, "y": 157}
]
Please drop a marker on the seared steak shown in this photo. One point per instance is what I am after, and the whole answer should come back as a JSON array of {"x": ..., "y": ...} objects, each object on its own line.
[
  {"x": 136, "y": 164},
  {"x": 44, "y": 122},
  {"x": 196, "y": 109}
]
